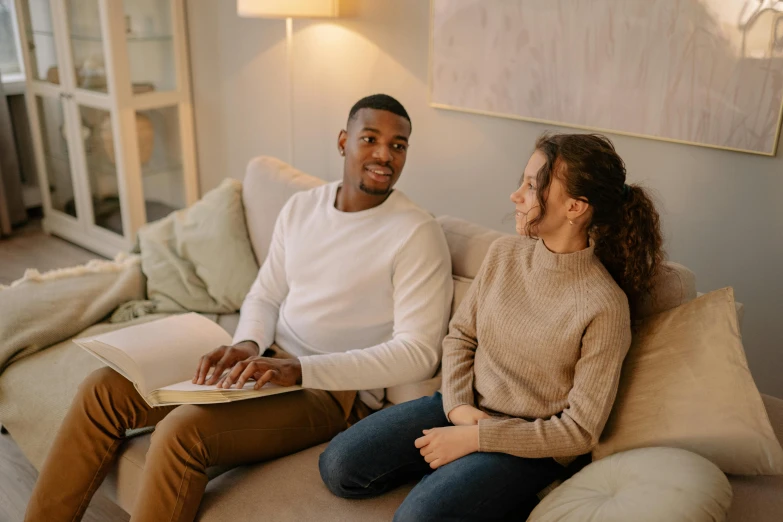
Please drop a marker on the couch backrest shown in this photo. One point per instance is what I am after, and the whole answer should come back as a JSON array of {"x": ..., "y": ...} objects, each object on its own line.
[{"x": 269, "y": 183}]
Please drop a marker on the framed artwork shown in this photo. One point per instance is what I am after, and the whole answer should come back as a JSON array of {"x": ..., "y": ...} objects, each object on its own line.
[{"x": 701, "y": 72}]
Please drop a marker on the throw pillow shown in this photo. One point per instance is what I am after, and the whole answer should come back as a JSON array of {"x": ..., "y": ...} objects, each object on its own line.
[
  {"x": 200, "y": 258},
  {"x": 685, "y": 384},
  {"x": 643, "y": 485}
]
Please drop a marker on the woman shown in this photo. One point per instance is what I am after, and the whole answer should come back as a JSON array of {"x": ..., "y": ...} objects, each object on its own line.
[{"x": 533, "y": 355}]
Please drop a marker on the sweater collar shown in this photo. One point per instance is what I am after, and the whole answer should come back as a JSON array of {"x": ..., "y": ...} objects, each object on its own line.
[
  {"x": 545, "y": 258},
  {"x": 387, "y": 204}
]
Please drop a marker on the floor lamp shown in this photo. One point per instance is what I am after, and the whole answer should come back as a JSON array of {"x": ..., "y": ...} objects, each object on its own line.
[{"x": 289, "y": 9}]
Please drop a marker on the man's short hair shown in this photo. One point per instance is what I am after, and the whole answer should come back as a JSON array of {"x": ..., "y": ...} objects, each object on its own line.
[{"x": 381, "y": 102}]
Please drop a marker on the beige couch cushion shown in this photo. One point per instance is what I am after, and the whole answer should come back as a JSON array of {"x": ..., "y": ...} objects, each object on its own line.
[
  {"x": 461, "y": 285},
  {"x": 468, "y": 244},
  {"x": 642, "y": 485},
  {"x": 685, "y": 383},
  {"x": 268, "y": 184},
  {"x": 672, "y": 286},
  {"x": 228, "y": 322},
  {"x": 288, "y": 489}
]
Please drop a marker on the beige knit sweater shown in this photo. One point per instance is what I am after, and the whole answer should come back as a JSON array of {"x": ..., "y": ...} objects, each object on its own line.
[{"x": 538, "y": 344}]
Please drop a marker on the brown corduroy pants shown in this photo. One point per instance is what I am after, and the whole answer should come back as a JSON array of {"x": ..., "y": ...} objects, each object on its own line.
[{"x": 187, "y": 440}]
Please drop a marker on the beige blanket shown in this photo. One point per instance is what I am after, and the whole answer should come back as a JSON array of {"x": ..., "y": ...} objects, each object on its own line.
[{"x": 42, "y": 309}]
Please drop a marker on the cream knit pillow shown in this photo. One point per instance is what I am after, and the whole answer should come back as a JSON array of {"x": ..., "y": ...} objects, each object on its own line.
[
  {"x": 644, "y": 485},
  {"x": 685, "y": 384}
]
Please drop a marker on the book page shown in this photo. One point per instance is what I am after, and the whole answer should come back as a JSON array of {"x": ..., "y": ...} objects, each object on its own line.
[
  {"x": 165, "y": 351},
  {"x": 95, "y": 349},
  {"x": 188, "y": 386}
]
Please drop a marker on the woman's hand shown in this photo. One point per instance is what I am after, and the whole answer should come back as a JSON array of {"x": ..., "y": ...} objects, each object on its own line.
[
  {"x": 283, "y": 372},
  {"x": 222, "y": 358},
  {"x": 439, "y": 446},
  {"x": 465, "y": 415}
]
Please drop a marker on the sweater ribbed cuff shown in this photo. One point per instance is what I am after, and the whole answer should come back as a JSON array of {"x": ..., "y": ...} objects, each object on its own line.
[
  {"x": 447, "y": 409},
  {"x": 494, "y": 437},
  {"x": 452, "y": 400},
  {"x": 488, "y": 436}
]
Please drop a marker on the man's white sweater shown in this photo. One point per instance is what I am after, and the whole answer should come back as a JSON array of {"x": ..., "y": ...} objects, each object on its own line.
[{"x": 362, "y": 298}]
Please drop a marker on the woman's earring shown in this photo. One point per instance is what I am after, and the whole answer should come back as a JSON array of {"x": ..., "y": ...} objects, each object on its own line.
[
  {"x": 342, "y": 152},
  {"x": 570, "y": 221}
]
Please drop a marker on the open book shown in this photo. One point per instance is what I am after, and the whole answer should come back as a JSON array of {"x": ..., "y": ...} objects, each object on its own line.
[{"x": 161, "y": 357}]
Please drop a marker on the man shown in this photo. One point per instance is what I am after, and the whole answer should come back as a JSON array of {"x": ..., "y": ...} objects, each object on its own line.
[{"x": 355, "y": 294}]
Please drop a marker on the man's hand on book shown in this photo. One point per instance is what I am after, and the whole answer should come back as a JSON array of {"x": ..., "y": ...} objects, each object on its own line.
[
  {"x": 222, "y": 359},
  {"x": 283, "y": 372}
]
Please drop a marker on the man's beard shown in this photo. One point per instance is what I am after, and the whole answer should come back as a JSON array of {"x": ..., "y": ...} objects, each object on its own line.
[{"x": 374, "y": 192}]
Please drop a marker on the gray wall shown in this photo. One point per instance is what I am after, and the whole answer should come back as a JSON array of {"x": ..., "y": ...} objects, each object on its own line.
[{"x": 722, "y": 212}]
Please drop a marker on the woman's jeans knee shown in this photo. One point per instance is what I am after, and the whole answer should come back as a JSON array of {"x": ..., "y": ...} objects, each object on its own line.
[{"x": 377, "y": 454}]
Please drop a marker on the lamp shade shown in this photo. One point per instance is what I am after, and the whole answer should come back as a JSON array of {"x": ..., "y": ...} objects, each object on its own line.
[{"x": 288, "y": 8}]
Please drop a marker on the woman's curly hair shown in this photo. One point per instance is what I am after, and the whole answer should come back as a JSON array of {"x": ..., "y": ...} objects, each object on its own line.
[{"x": 625, "y": 225}]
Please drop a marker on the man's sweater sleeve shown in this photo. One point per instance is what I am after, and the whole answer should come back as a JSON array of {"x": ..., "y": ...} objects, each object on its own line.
[
  {"x": 575, "y": 430},
  {"x": 422, "y": 301},
  {"x": 261, "y": 307}
]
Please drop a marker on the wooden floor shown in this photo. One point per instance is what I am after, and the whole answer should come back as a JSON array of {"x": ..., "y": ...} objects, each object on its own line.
[
  {"x": 29, "y": 247},
  {"x": 16, "y": 485}
]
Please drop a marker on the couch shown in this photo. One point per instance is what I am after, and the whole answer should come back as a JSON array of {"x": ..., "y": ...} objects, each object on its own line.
[{"x": 289, "y": 488}]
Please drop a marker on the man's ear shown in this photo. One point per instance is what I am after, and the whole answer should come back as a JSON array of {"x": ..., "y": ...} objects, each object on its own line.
[{"x": 341, "y": 139}]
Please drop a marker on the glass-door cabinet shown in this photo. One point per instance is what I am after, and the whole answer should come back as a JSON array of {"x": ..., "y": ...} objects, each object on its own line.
[{"x": 108, "y": 93}]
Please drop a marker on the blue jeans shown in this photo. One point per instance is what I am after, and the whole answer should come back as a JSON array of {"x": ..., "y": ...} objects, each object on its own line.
[{"x": 377, "y": 454}]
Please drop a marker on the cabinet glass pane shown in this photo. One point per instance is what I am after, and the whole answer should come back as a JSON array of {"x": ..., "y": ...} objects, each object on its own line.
[
  {"x": 40, "y": 40},
  {"x": 98, "y": 142},
  {"x": 84, "y": 31},
  {"x": 56, "y": 157},
  {"x": 160, "y": 154},
  {"x": 9, "y": 50},
  {"x": 149, "y": 33}
]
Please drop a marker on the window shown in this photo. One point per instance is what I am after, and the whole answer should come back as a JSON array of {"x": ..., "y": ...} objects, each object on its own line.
[{"x": 10, "y": 57}]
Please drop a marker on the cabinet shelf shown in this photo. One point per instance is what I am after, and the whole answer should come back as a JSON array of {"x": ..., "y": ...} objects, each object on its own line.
[
  {"x": 101, "y": 167},
  {"x": 96, "y": 38}
]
